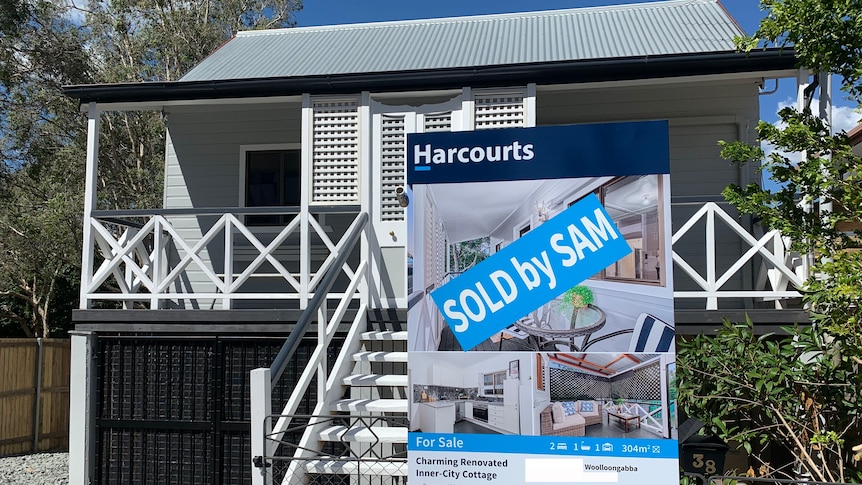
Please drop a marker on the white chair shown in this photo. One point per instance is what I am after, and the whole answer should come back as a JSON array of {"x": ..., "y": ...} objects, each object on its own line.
[{"x": 649, "y": 335}]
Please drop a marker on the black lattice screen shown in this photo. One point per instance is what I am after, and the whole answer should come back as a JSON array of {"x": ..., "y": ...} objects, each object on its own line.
[
  {"x": 176, "y": 410},
  {"x": 570, "y": 385},
  {"x": 642, "y": 384}
]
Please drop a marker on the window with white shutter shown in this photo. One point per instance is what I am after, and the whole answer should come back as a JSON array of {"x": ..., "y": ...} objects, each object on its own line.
[
  {"x": 499, "y": 109},
  {"x": 392, "y": 170},
  {"x": 335, "y": 160}
]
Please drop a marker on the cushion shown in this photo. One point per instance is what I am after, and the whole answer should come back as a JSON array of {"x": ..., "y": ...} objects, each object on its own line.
[
  {"x": 574, "y": 420},
  {"x": 587, "y": 406},
  {"x": 569, "y": 408},
  {"x": 557, "y": 413}
]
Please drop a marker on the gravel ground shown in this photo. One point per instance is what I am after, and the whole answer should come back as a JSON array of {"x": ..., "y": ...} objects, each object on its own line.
[{"x": 38, "y": 469}]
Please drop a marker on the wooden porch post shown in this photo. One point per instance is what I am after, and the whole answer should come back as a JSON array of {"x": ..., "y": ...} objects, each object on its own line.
[
  {"x": 307, "y": 160},
  {"x": 91, "y": 178},
  {"x": 366, "y": 193}
]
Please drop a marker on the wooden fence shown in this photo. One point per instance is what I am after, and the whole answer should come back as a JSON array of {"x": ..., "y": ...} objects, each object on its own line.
[{"x": 34, "y": 395}]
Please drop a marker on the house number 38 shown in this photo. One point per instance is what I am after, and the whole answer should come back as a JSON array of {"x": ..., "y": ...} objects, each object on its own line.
[{"x": 708, "y": 465}]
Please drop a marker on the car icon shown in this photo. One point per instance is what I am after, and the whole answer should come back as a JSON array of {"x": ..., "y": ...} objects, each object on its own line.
[{"x": 607, "y": 447}]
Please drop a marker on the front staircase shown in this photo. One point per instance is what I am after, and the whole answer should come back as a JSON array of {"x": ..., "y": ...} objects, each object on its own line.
[{"x": 359, "y": 435}]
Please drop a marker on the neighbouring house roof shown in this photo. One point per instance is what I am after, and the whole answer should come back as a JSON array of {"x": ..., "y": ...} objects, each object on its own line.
[
  {"x": 855, "y": 136},
  {"x": 637, "y": 41}
]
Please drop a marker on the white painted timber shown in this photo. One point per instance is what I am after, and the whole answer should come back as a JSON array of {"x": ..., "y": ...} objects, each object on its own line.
[
  {"x": 380, "y": 356},
  {"x": 384, "y": 335},
  {"x": 371, "y": 405},
  {"x": 368, "y": 380},
  {"x": 373, "y": 434}
]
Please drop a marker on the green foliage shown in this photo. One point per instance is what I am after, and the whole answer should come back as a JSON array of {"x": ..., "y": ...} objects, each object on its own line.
[
  {"x": 794, "y": 392},
  {"x": 813, "y": 404},
  {"x": 578, "y": 296},
  {"x": 825, "y": 35},
  {"x": 808, "y": 405},
  {"x": 467, "y": 254},
  {"x": 45, "y": 44},
  {"x": 826, "y": 176}
]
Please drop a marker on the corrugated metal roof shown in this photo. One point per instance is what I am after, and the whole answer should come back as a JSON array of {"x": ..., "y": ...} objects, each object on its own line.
[{"x": 645, "y": 29}]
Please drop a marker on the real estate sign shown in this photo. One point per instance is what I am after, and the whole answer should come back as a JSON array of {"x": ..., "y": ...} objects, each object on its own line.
[{"x": 545, "y": 254}]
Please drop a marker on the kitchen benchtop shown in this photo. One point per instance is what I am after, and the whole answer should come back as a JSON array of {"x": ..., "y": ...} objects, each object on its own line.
[{"x": 438, "y": 404}]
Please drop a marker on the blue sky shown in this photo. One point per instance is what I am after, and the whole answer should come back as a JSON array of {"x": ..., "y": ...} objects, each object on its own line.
[{"x": 746, "y": 12}]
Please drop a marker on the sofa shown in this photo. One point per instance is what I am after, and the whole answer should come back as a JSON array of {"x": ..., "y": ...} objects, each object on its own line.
[
  {"x": 591, "y": 411},
  {"x": 569, "y": 418},
  {"x": 553, "y": 421}
]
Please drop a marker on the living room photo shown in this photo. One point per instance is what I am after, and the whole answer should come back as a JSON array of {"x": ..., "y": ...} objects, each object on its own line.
[{"x": 614, "y": 395}]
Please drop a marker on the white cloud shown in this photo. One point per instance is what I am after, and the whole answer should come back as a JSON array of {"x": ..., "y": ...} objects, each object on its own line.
[{"x": 844, "y": 118}]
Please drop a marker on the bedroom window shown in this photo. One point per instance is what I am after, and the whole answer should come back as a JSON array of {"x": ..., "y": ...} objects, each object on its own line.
[{"x": 272, "y": 178}]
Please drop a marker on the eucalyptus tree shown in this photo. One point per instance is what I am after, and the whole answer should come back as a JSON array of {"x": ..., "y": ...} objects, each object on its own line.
[{"x": 45, "y": 44}]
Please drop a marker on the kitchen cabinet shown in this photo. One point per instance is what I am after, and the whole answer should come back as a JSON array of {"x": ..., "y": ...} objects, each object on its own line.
[
  {"x": 497, "y": 416},
  {"x": 442, "y": 375},
  {"x": 468, "y": 410},
  {"x": 512, "y": 419},
  {"x": 437, "y": 417}
]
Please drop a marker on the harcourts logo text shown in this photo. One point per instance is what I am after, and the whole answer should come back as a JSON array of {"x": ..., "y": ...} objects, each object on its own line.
[{"x": 427, "y": 154}]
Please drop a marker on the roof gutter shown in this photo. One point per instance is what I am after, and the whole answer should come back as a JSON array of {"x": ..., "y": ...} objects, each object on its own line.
[{"x": 560, "y": 72}]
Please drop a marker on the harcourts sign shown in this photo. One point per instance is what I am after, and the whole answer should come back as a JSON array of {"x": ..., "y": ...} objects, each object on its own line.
[
  {"x": 426, "y": 155},
  {"x": 536, "y": 268},
  {"x": 546, "y": 152}
]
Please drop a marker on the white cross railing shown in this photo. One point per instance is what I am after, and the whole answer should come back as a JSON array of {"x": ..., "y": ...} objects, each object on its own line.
[
  {"x": 151, "y": 263},
  {"x": 780, "y": 268}
]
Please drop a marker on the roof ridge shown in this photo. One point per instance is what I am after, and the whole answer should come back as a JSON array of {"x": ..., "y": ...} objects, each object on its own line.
[{"x": 473, "y": 18}]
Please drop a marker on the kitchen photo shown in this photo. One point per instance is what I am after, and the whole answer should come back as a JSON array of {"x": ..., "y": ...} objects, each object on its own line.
[{"x": 474, "y": 393}]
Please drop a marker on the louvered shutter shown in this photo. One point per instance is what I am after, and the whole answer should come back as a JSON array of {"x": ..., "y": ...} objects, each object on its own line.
[
  {"x": 440, "y": 249},
  {"x": 392, "y": 159},
  {"x": 429, "y": 232},
  {"x": 438, "y": 122},
  {"x": 335, "y": 164},
  {"x": 499, "y": 109}
]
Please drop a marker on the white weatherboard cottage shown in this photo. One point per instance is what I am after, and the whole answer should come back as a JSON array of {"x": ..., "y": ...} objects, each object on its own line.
[{"x": 285, "y": 149}]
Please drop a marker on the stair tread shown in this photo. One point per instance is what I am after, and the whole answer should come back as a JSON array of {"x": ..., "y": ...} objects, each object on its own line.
[
  {"x": 380, "y": 356},
  {"x": 382, "y": 405},
  {"x": 385, "y": 335},
  {"x": 359, "y": 380},
  {"x": 346, "y": 467},
  {"x": 373, "y": 434}
]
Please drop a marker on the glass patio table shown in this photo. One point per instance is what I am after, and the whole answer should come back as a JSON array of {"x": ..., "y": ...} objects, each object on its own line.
[{"x": 558, "y": 323}]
